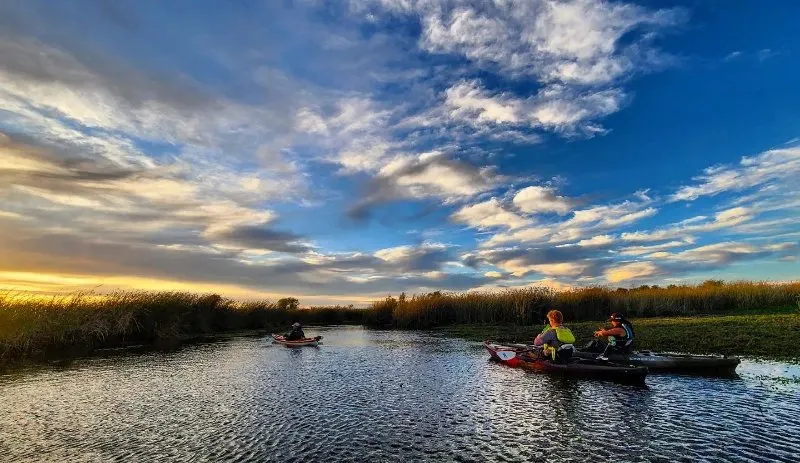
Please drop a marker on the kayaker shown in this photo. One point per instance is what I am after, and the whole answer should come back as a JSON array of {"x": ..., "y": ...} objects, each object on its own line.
[
  {"x": 619, "y": 337},
  {"x": 296, "y": 333},
  {"x": 554, "y": 336}
]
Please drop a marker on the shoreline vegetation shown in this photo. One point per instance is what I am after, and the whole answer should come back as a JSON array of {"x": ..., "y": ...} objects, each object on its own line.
[{"x": 756, "y": 319}]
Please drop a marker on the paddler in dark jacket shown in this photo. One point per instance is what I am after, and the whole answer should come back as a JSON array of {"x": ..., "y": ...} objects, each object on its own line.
[
  {"x": 296, "y": 333},
  {"x": 554, "y": 336},
  {"x": 620, "y": 336}
]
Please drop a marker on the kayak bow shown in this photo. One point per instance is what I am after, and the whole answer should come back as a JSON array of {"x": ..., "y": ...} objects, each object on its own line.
[
  {"x": 315, "y": 341},
  {"x": 577, "y": 367}
]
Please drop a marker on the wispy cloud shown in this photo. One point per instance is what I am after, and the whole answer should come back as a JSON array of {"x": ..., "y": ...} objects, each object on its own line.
[
  {"x": 732, "y": 55},
  {"x": 489, "y": 214},
  {"x": 769, "y": 166}
]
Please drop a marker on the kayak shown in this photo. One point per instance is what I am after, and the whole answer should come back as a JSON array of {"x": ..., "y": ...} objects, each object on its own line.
[
  {"x": 710, "y": 365},
  {"x": 576, "y": 367},
  {"x": 315, "y": 341}
]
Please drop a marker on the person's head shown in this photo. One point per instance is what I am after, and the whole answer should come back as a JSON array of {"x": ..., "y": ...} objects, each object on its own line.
[
  {"x": 555, "y": 318},
  {"x": 296, "y": 325},
  {"x": 615, "y": 319}
]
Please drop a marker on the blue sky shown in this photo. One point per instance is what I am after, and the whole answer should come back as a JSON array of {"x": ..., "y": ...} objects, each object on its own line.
[{"x": 341, "y": 151}]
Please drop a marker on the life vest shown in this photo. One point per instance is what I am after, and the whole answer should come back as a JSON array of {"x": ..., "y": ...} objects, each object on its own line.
[
  {"x": 626, "y": 340},
  {"x": 628, "y": 330},
  {"x": 564, "y": 336}
]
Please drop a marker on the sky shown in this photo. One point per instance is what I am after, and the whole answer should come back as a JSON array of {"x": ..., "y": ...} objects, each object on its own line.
[{"x": 341, "y": 151}]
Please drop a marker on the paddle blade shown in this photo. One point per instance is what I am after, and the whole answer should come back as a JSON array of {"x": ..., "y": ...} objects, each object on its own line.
[{"x": 506, "y": 355}]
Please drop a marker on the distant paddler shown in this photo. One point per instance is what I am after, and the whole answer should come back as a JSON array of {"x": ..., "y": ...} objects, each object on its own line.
[
  {"x": 618, "y": 339},
  {"x": 296, "y": 334}
]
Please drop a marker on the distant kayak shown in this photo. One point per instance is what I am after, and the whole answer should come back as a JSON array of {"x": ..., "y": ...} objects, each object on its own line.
[
  {"x": 315, "y": 341},
  {"x": 712, "y": 365},
  {"x": 577, "y": 367}
]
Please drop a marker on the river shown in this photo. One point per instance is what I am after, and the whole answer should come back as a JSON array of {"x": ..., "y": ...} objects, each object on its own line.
[{"x": 369, "y": 395}]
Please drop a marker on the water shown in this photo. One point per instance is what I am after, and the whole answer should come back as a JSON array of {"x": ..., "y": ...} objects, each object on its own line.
[{"x": 384, "y": 396}]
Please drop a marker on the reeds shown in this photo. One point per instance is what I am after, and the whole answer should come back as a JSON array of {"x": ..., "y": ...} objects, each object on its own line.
[
  {"x": 81, "y": 322},
  {"x": 528, "y": 306}
]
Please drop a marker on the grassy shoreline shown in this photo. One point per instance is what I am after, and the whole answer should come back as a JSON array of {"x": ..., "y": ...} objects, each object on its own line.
[
  {"x": 744, "y": 318},
  {"x": 773, "y": 336},
  {"x": 81, "y": 323}
]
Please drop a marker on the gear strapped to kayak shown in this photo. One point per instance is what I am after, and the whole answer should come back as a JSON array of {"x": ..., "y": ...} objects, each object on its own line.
[{"x": 578, "y": 368}]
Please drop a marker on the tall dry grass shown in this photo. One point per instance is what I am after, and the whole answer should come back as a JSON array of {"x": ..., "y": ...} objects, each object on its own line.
[
  {"x": 529, "y": 305},
  {"x": 81, "y": 322},
  {"x": 33, "y": 325}
]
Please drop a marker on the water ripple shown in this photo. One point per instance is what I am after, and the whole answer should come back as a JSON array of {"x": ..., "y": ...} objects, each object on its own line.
[{"x": 383, "y": 396}]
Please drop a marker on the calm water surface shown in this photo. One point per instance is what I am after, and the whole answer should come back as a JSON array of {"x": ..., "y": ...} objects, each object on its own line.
[{"x": 384, "y": 396}]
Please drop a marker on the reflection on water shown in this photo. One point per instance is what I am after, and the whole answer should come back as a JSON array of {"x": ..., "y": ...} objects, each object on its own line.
[{"x": 384, "y": 396}]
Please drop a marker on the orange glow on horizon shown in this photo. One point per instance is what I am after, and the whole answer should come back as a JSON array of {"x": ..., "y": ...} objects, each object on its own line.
[{"x": 48, "y": 284}]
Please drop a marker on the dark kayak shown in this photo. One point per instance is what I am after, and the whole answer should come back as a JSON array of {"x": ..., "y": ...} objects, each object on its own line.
[
  {"x": 712, "y": 365},
  {"x": 315, "y": 341},
  {"x": 577, "y": 367}
]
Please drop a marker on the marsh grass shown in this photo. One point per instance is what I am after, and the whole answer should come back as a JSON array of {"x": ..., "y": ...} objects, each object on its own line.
[
  {"x": 31, "y": 325},
  {"x": 78, "y": 323},
  {"x": 528, "y": 306}
]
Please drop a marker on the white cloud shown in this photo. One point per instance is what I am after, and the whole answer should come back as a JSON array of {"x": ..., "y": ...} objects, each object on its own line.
[
  {"x": 395, "y": 254},
  {"x": 728, "y": 218},
  {"x": 659, "y": 255},
  {"x": 718, "y": 253},
  {"x": 11, "y": 215},
  {"x": 468, "y": 101},
  {"x": 59, "y": 84},
  {"x": 723, "y": 219},
  {"x": 361, "y": 140},
  {"x": 489, "y": 214},
  {"x": 525, "y": 235},
  {"x": 611, "y": 215},
  {"x": 520, "y": 268},
  {"x": 578, "y": 53},
  {"x": 732, "y": 55},
  {"x": 782, "y": 246},
  {"x": 426, "y": 257},
  {"x": 356, "y": 135},
  {"x": 538, "y": 199},
  {"x": 444, "y": 180},
  {"x": 631, "y": 271},
  {"x": 583, "y": 223},
  {"x": 641, "y": 250},
  {"x": 596, "y": 241},
  {"x": 306, "y": 120},
  {"x": 773, "y": 165},
  {"x": 560, "y": 269},
  {"x": 577, "y": 41},
  {"x": 555, "y": 108}
]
